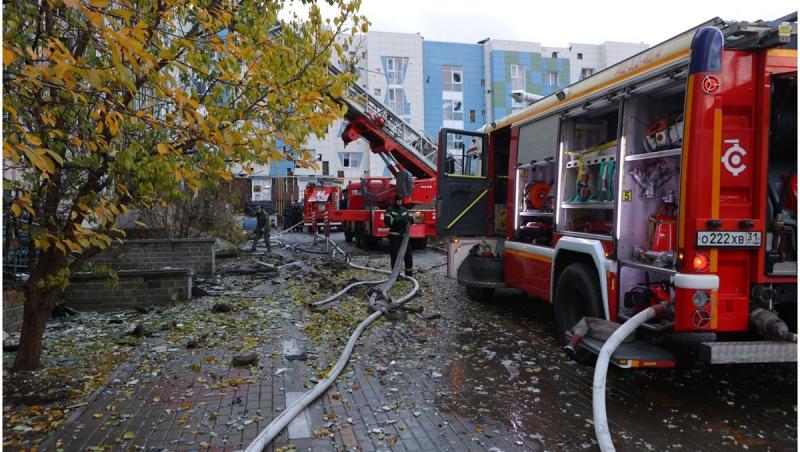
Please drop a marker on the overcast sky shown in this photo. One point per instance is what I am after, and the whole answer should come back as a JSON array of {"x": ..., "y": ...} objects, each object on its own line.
[{"x": 559, "y": 22}]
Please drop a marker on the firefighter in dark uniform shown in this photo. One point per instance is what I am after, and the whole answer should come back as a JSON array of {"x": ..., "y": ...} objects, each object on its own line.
[
  {"x": 262, "y": 229},
  {"x": 398, "y": 219}
]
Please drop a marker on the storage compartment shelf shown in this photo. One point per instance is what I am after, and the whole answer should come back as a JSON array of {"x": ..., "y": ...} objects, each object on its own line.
[
  {"x": 588, "y": 205},
  {"x": 646, "y": 267},
  {"x": 654, "y": 155},
  {"x": 591, "y": 161},
  {"x": 533, "y": 213},
  {"x": 545, "y": 162}
]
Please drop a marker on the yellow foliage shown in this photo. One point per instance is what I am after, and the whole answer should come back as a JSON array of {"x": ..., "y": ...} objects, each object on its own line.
[{"x": 136, "y": 106}]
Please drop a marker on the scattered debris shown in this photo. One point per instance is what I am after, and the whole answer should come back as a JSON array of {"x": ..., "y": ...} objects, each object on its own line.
[
  {"x": 245, "y": 359},
  {"x": 395, "y": 314},
  {"x": 139, "y": 331},
  {"x": 221, "y": 307},
  {"x": 293, "y": 350}
]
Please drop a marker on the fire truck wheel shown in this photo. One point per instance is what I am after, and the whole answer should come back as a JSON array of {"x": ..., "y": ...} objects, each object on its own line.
[
  {"x": 419, "y": 244},
  {"x": 482, "y": 294},
  {"x": 348, "y": 235},
  {"x": 577, "y": 296},
  {"x": 359, "y": 236},
  {"x": 370, "y": 242}
]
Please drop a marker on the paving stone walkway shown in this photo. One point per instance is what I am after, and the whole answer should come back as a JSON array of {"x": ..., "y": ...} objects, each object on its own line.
[{"x": 458, "y": 376}]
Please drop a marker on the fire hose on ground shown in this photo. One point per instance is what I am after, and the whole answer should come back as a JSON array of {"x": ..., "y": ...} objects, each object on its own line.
[
  {"x": 601, "y": 369},
  {"x": 284, "y": 418}
]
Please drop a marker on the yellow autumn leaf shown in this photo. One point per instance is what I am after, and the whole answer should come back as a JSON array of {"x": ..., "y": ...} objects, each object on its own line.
[
  {"x": 33, "y": 139},
  {"x": 112, "y": 126},
  {"x": 186, "y": 405},
  {"x": 97, "y": 415},
  {"x": 98, "y": 3},
  {"x": 162, "y": 148},
  {"x": 16, "y": 210},
  {"x": 8, "y": 56},
  {"x": 128, "y": 435}
]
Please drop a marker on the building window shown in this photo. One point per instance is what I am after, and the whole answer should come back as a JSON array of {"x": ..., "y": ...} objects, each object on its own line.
[
  {"x": 472, "y": 116},
  {"x": 452, "y": 110},
  {"x": 394, "y": 70},
  {"x": 552, "y": 78},
  {"x": 326, "y": 170},
  {"x": 554, "y": 55},
  {"x": 351, "y": 159},
  {"x": 517, "y": 84},
  {"x": 377, "y": 91},
  {"x": 395, "y": 100},
  {"x": 587, "y": 72},
  {"x": 452, "y": 78},
  {"x": 580, "y": 56},
  {"x": 340, "y": 174}
]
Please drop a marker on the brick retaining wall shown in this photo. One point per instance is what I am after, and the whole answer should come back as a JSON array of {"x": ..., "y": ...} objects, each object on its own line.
[
  {"x": 13, "y": 302},
  {"x": 156, "y": 254},
  {"x": 88, "y": 292}
]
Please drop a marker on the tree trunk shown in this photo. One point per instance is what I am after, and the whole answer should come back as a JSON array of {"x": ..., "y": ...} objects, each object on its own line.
[{"x": 34, "y": 318}]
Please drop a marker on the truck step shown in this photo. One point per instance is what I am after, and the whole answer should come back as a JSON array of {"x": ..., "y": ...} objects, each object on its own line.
[
  {"x": 748, "y": 352},
  {"x": 633, "y": 354}
]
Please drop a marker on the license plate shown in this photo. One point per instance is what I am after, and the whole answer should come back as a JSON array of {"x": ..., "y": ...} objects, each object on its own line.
[{"x": 729, "y": 239}]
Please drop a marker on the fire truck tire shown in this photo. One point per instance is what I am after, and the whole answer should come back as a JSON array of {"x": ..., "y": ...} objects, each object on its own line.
[
  {"x": 370, "y": 242},
  {"x": 358, "y": 235},
  {"x": 577, "y": 296},
  {"x": 482, "y": 294},
  {"x": 348, "y": 235},
  {"x": 419, "y": 243}
]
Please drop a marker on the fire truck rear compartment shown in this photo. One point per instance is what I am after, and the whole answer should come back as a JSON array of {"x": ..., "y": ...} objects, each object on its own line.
[{"x": 781, "y": 237}]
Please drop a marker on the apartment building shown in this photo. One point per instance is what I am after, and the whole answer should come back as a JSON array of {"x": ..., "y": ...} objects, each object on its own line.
[{"x": 433, "y": 84}]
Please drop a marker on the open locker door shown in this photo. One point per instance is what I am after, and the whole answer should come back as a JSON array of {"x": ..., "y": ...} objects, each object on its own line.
[{"x": 462, "y": 201}]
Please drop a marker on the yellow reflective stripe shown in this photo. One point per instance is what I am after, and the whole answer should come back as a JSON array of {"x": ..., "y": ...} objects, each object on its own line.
[
  {"x": 467, "y": 209},
  {"x": 687, "y": 123},
  {"x": 716, "y": 152}
]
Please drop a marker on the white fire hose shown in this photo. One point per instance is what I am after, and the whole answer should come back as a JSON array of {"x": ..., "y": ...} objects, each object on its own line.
[
  {"x": 284, "y": 418},
  {"x": 601, "y": 369}
]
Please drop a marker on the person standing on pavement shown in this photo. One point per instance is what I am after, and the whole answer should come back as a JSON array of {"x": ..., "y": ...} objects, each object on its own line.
[
  {"x": 262, "y": 229},
  {"x": 398, "y": 219}
]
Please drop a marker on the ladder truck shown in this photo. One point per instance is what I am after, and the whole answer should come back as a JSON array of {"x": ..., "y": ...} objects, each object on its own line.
[
  {"x": 668, "y": 179},
  {"x": 360, "y": 206}
]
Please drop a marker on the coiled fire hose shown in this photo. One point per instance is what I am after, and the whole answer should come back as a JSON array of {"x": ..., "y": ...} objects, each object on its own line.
[
  {"x": 284, "y": 418},
  {"x": 601, "y": 369}
]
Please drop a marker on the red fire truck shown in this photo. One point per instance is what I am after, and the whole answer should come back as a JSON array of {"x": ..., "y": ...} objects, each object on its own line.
[
  {"x": 667, "y": 178},
  {"x": 319, "y": 198},
  {"x": 405, "y": 151},
  {"x": 366, "y": 202}
]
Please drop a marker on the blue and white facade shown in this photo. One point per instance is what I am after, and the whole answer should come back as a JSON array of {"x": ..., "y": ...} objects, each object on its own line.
[
  {"x": 443, "y": 84},
  {"x": 454, "y": 86}
]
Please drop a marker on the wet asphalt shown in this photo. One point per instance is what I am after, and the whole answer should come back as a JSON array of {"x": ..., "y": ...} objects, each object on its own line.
[{"x": 497, "y": 365}]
